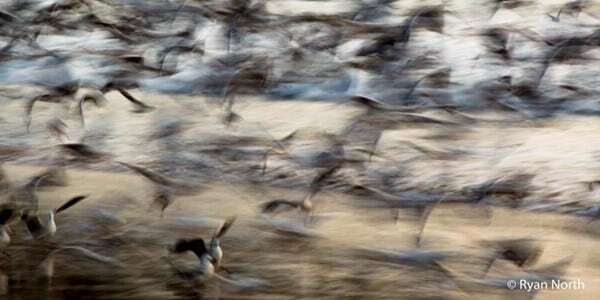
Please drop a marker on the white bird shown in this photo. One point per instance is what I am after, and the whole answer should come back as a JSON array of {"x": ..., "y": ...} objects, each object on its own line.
[
  {"x": 209, "y": 258},
  {"x": 34, "y": 224}
]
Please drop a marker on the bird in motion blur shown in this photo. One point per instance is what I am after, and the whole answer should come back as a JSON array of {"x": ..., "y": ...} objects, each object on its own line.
[
  {"x": 209, "y": 257},
  {"x": 39, "y": 228}
]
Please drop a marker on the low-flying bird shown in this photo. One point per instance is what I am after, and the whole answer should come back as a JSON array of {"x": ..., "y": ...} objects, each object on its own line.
[
  {"x": 165, "y": 189},
  {"x": 305, "y": 206},
  {"x": 522, "y": 252},
  {"x": 83, "y": 152},
  {"x": 210, "y": 257},
  {"x": 139, "y": 106},
  {"x": 55, "y": 95},
  {"x": 39, "y": 228},
  {"x": 95, "y": 98}
]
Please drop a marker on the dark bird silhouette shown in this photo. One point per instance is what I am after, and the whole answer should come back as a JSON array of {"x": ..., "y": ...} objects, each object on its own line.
[
  {"x": 84, "y": 152},
  {"x": 121, "y": 87},
  {"x": 95, "y": 98}
]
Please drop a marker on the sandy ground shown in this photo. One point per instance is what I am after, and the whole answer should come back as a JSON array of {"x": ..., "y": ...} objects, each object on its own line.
[{"x": 115, "y": 221}]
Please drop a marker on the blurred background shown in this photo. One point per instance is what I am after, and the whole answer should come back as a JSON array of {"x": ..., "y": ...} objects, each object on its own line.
[{"x": 365, "y": 149}]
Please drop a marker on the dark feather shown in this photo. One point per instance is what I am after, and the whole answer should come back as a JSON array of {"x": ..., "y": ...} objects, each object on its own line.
[
  {"x": 152, "y": 176},
  {"x": 5, "y": 215},
  {"x": 195, "y": 245},
  {"x": 273, "y": 205},
  {"x": 33, "y": 225},
  {"x": 140, "y": 106},
  {"x": 70, "y": 203},
  {"x": 318, "y": 181},
  {"x": 369, "y": 102},
  {"x": 228, "y": 223},
  {"x": 82, "y": 151}
]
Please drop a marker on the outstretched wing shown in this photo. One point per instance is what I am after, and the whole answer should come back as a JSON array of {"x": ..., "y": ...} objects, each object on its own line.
[
  {"x": 225, "y": 227},
  {"x": 70, "y": 203}
]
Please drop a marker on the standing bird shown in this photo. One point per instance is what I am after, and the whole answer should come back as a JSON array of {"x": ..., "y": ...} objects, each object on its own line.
[{"x": 210, "y": 258}]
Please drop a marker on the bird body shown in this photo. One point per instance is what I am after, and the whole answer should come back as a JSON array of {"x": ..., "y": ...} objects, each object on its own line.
[
  {"x": 39, "y": 228},
  {"x": 51, "y": 224},
  {"x": 4, "y": 236},
  {"x": 216, "y": 252},
  {"x": 206, "y": 266}
]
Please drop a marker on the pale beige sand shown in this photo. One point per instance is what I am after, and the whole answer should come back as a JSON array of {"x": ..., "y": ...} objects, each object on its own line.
[{"x": 316, "y": 267}]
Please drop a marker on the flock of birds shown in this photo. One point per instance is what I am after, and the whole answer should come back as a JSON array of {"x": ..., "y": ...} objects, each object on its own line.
[{"x": 75, "y": 51}]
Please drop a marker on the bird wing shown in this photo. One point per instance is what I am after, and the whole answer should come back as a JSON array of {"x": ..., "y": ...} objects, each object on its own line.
[
  {"x": 135, "y": 101},
  {"x": 152, "y": 176},
  {"x": 195, "y": 245},
  {"x": 70, "y": 203},
  {"x": 271, "y": 206},
  {"x": 5, "y": 215},
  {"x": 82, "y": 150},
  {"x": 33, "y": 224},
  {"x": 225, "y": 227}
]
